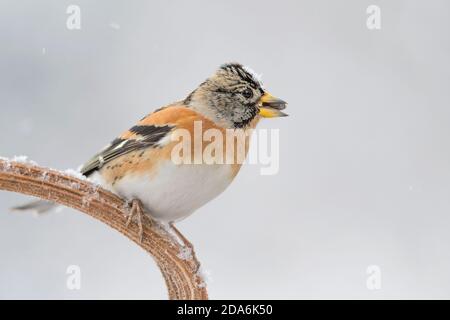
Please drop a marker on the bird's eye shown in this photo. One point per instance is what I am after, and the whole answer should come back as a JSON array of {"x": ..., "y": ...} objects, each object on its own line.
[{"x": 247, "y": 93}]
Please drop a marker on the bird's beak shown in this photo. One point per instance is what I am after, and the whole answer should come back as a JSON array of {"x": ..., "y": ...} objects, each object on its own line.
[{"x": 270, "y": 107}]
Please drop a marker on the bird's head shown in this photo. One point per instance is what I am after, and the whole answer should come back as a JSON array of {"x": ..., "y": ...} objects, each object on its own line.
[{"x": 233, "y": 96}]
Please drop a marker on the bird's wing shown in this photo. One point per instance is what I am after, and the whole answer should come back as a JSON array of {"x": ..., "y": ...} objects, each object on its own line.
[{"x": 147, "y": 133}]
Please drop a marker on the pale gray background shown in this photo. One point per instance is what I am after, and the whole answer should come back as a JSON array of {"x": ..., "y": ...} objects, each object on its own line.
[{"x": 365, "y": 160}]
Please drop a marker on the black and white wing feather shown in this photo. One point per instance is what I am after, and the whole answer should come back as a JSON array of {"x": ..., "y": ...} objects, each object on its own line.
[{"x": 137, "y": 138}]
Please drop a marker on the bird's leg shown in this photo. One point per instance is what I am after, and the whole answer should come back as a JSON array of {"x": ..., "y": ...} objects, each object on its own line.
[
  {"x": 138, "y": 211},
  {"x": 185, "y": 241}
]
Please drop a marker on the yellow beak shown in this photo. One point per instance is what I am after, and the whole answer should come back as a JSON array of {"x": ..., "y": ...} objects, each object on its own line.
[{"x": 270, "y": 107}]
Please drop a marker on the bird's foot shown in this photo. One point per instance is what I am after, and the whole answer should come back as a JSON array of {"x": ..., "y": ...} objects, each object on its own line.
[{"x": 137, "y": 210}]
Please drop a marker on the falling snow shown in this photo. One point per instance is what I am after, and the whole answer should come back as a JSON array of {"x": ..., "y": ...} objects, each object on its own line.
[{"x": 114, "y": 25}]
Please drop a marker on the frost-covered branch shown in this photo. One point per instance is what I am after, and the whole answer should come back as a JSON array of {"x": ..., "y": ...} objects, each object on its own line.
[{"x": 180, "y": 270}]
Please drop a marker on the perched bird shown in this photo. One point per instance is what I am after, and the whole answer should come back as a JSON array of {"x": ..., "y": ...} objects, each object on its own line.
[{"x": 138, "y": 165}]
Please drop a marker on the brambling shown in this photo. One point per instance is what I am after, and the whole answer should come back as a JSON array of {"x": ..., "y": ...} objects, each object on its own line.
[{"x": 138, "y": 165}]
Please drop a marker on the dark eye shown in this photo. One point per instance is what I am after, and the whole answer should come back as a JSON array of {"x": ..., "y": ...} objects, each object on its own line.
[{"x": 247, "y": 93}]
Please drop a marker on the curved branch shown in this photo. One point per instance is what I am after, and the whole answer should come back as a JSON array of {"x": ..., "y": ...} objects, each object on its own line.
[{"x": 179, "y": 267}]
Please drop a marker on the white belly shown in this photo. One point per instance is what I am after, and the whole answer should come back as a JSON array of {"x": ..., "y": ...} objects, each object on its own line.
[{"x": 176, "y": 190}]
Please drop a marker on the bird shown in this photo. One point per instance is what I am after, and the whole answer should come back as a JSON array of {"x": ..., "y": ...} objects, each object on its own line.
[{"x": 139, "y": 165}]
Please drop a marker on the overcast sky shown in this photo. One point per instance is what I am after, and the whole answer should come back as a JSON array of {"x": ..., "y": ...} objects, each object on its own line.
[{"x": 364, "y": 176}]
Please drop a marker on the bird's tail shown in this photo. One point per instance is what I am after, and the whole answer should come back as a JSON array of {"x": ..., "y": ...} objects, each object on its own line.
[{"x": 37, "y": 206}]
